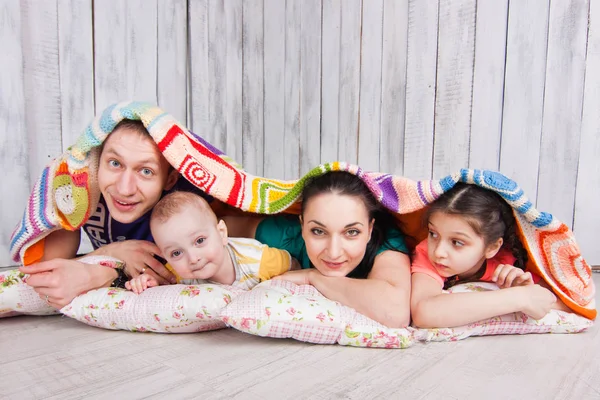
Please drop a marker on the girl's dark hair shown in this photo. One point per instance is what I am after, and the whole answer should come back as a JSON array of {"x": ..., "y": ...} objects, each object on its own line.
[
  {"x": 347, "y": 184},
  {"x": 488, "y": 214}
]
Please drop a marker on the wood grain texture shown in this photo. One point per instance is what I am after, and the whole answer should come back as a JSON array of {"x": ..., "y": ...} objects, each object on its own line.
[
  {"x": 587, "y": 218},
  {"x": 524, "y": 84},
  {"x": 488, "y": 84},
  {"x": 199, "y": 75},
  {"x": 369, "y": 123},
  {"x": 291, "y": 143},
  {"x": 393, "y": 86},
  {"x": 563, "y": 98},
  {"x": 234, "y": 68},
  {"x": 456, "y": 47},
  {"x": 420, "y": 88},
  {"x": 13, "y": 133},
  {"x": 63, "y": 359}
]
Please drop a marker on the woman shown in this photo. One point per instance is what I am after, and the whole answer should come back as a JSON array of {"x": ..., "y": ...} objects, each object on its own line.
[{"x": 357, "y": 254}]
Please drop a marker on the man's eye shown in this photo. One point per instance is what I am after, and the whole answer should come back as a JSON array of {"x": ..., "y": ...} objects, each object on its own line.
[
  {"x": 147, "y": 172},
  {"x": 200, "y": 240},
  {"x": 114, "y": 163}
]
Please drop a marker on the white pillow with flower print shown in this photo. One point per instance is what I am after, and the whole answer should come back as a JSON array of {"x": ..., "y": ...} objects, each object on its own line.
[{"x": 18, "y": 298}]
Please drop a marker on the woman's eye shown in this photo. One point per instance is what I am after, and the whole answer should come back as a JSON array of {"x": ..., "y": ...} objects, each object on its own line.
[
  {"x": 114, "y": 163},
  {"x": 353, "y": 232},
  {"x": 317, "y": 231},
  {"x": 147, "y": 172},
  {"x": 200, "y": 240},
  {"x": 175, "y": 253}
]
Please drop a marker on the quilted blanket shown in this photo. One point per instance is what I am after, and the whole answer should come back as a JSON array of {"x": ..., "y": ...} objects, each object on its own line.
[{"x": 66, "y": 194}]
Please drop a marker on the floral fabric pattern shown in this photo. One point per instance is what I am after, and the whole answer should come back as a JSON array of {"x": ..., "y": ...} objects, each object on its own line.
[{"x": 18, "y": 298}]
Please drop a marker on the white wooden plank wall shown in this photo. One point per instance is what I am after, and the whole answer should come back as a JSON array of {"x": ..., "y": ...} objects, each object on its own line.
[{"x": 418, "y": 88}]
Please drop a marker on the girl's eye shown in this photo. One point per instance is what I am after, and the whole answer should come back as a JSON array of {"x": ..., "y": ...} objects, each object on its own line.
[
  {"x": 175, "y": 253},
  {"x": 317, "y": 231},
  {"x": 147, "y": 172},
  {"x": 458, "y": 243},
  {"x": 200, "y": 240},
  {"x": 114, "y": 163},
  {"x": 353, "y": 232},
  {"x": 433, "y": 235}
]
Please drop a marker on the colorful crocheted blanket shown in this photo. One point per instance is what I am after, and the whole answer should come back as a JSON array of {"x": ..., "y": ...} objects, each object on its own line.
[{"x": 67, "y": 192}]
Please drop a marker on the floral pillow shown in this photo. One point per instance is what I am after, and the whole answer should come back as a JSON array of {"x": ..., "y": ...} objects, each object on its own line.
[
  {"x": 284, "y": 310},
  {"x": 18, "y": 298},
  {"x": 170, "y": 308}
]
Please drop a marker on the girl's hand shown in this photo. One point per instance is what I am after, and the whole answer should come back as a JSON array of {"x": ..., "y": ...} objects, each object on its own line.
[
  {"x": 537, "y": 301},
  {"x": 507, "y": 275},
  {"x": 140, "y": 283},
  {"x": 300, "y": 277}
]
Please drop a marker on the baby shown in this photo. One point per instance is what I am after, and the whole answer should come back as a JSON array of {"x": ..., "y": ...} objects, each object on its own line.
[{"x": 195, "y": 245}]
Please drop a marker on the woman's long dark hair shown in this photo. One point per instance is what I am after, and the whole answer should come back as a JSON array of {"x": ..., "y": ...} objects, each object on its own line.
[
  {"x": 488, "y": 214},
  {"x": 347, "y": 184}
]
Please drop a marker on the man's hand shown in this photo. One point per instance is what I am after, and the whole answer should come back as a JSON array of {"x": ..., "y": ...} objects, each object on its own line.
[
  {"x": 59, "y": 281},
  {"x": 138, "y": 256}
]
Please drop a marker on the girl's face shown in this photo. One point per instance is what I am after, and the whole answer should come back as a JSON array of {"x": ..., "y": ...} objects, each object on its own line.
[
  {"x": 336, "y": 229},
  {"x": 454, "y": 248}
]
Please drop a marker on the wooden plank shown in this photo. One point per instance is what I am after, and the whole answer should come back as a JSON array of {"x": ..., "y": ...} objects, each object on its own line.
[
  {"x": 369, "y": 124},
  {"x": 330, "y": 94},
  {"x": 561, "y": 127},
  {"x": 217, "y": 74},
  {"x": 488, "y": 84},
  {"x": 172, "y": 58},
  {"x": 13, "y": 129},
  {"x": 310, "y": 83},
  {"x": 524, "y": 92},
  {"x": 393, "y": 85},
  {"x": 274, "y": 64},
  {"x": 198, "y": 44},
  {"x": 41, "y": 84},
  {"x": 456, "y": 48},
  {"x": 76, "y": 66},
  {"x": 234, "y": 68},
  {"x": 291, "y": 148},
  {"x": 420, "y": 88},
  {"x": 349, "y": 80},
  {"x": 252, "y": 92},
  {"x": 587, "y": 218},
  {"x": 125, "y": 47}
]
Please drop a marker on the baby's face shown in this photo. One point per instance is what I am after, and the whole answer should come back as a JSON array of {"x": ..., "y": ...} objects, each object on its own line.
[{"x": 193, "y": 243}]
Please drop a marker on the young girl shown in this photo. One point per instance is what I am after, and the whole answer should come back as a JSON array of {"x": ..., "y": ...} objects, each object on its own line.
[
  {"x": 472, "y": 237},
  {"x": 348, "y": 246}
]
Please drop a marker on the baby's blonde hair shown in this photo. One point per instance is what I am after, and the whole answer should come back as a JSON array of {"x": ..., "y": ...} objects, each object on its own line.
[{"x": 174, "y": 202}]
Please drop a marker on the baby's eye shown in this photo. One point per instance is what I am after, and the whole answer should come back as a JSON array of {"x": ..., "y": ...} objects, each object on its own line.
[
  {"x": 317, "y": 231},
  {"x": 175, "y": 253},
  {"x": 200, "y": 240},
  {"x": 147, "y": 172},
  {"x": 353, "y": 232},
  {"x": 114, "y": 163}
]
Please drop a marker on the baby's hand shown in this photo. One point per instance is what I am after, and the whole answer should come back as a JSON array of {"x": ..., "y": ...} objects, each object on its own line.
[
  {"x": 507, "y": 275},
  {"x": 141, "y": 283},
  {"x": 537, "y": 301}
]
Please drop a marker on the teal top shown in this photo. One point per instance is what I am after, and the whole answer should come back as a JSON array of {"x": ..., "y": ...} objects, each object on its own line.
[{"x": 284, "y": 232}]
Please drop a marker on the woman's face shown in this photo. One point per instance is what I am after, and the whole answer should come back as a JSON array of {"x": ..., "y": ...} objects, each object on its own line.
[{"x": 336, "y": 230}]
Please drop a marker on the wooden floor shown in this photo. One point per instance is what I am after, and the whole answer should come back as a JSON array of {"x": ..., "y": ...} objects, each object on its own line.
[{"x": 59, "y": 358}]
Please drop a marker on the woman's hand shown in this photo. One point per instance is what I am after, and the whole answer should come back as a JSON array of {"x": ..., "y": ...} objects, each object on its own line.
[
  {"x": 140, "y": 283},
  {"x": 138, "y": 256},
  {"x": 537, "y": 301},
  {"x": 59, "y": 281},
  {"x": 299, "y": 277},
  {"x": 507, "y": 275}
]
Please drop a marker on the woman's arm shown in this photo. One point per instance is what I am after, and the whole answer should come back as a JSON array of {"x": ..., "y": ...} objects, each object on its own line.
[
  {"x": 431, "y": 308},
  {"x": 384, "y": 296}
]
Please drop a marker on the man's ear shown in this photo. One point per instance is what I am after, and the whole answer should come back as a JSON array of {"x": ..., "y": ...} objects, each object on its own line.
[
  {"x": 494, "y": 248},
  {"x": 171, "y": 179},
  {"x": 222, "y": 229}
]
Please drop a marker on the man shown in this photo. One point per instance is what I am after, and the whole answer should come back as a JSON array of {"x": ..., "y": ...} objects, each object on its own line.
[{"x": 132, "y": 176}]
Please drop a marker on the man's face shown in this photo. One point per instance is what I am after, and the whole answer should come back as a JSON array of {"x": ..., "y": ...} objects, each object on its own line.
[{"x": 132, "y": 174}]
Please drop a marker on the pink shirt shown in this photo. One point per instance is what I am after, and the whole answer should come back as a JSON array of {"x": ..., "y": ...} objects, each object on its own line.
[{"x": 421, "y": 263}]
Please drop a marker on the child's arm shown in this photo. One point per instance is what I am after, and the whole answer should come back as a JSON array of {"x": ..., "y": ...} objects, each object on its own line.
[
  {"x": 141, "y": 283},
  {"x": 431, "y": 308}
]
